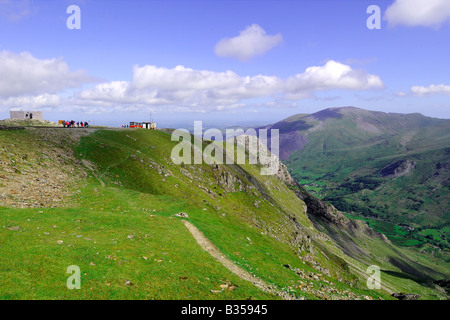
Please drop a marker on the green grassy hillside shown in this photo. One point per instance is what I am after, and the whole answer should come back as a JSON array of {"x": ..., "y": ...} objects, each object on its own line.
[
  {"x": 392, "y": 169},
  {"x": 119, "y": 192}
]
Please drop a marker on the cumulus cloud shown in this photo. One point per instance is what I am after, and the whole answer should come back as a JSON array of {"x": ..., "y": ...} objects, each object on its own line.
[
  {"x": 39, "y": 102},
  {"x": 332, "y": 75},
  {"x": 22, "y": 74},
  {"x": 112, "y": 91},
  {"x": 252, "y": 41},
  {"x": 30, "y": 82},
  {"x": 428, "y": 13},
  {"x": 203, "y": 90},
  {"x": 34, "y": 102},
  {"x": 181, "y": 78},
  {"x": 430, "y": 90},
  {"x": 153, "y": 85}
]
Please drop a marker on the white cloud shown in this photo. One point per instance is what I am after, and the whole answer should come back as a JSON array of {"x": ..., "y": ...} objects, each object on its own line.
[
  {"x": 428, "y": 13},
  {"x": 181, "y": 78},
  {"x": 333, "y": 75},
  {"x": 34, "y": 102},
  {"x": 43, "y": 102},
  {"x": 29, "y": 82},
  {"x": 252, "y": 41},
  {"x": 22, "y": 74},
  {"x": 112, "y": 91},
  {"x": 153, "y": 85},
  {"x": 203, "y": 90},
  {"x": 430, "y": 90},
  {"x": 400, "y": 94}
]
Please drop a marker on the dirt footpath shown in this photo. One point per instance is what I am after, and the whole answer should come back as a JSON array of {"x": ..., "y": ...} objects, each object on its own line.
[{"x": 209, "y": 247}]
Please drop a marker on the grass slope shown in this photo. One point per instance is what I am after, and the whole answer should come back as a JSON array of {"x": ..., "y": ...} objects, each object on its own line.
[{"x": 129, "y": 245}]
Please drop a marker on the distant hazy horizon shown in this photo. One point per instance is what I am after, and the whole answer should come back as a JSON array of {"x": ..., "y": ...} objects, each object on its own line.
[{"x": 174, "y": 121}]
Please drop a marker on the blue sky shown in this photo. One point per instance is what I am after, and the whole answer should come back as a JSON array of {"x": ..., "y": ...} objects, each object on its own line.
[{"x": 223, "y": 61}]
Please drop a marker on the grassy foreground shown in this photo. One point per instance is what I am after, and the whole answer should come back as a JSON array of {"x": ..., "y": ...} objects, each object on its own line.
[{"x": 128, "y": 244}]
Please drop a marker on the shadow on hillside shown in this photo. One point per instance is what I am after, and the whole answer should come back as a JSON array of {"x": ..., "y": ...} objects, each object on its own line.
[
  {"x": 414, "y": 271},
  {"x": 409, "y": 270},
  {"x": 403, "y": 275}
]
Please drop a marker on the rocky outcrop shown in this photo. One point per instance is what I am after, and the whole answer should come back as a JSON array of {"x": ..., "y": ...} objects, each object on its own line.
[
  {"x": 444, "y": 283},
  {"x": 322, "y": 214},
  {"x": 304, "y": 243},
  {"x": 283, "y": 175},
  {"x": 398, "y": 169},
  {"x": 317, "y": 209},
  {"x": 182, "y": 215},
  {"x": 230, "y": 182},
  {"x": 320, "y": 211},
  {"x": 406, "y": 296}
]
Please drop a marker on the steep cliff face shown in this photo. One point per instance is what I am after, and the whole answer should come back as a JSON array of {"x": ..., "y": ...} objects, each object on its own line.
[
  {"x": 321, "y": 212},
  {"x": 344, "y": 231},
  {"x": 323, "y": 215}
]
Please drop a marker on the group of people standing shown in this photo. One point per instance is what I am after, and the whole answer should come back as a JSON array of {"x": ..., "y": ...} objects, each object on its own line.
[{"x": 72, "y": 124}]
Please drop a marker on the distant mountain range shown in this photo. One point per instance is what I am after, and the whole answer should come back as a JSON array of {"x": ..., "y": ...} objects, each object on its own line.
[{"x": 390, "y": 169}]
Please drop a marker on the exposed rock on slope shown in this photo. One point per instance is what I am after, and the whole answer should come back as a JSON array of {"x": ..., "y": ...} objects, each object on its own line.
[
  {"x": 40, "y": 179},
  {"x": 319, "y": 211},
  {"x": 398, "y": 169},
  {"x": 406, "y": 296}
]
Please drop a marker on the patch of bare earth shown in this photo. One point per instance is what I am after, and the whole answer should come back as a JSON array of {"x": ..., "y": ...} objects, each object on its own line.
[{"x": 41, "y": 170}]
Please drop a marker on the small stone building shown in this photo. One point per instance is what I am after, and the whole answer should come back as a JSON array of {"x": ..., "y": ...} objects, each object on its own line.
[{"x": 26, "y": 115}]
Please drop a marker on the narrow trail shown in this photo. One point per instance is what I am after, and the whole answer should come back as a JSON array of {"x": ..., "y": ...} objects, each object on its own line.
[
  {"x": 88, "y": 165},
  {"x": 209, "y": 247}
]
